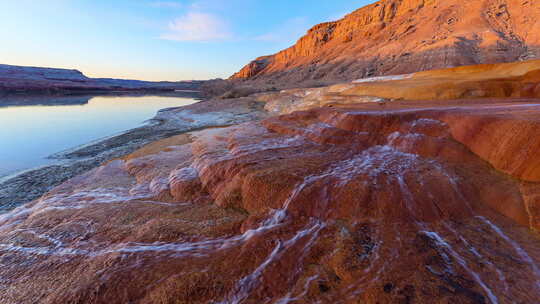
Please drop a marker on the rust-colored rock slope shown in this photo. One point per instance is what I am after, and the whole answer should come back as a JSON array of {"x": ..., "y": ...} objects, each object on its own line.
[
  {"x": 403, "y": 36},
  {"x": 508, "y": 80},
  {"x": 429, "y": 201},
  {"x": 333, "y": 205}
]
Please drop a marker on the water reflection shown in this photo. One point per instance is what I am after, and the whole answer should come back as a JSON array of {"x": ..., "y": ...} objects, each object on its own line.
[
  {"x": 24, "y": 101},
  {"x": 34, "y": 127}
]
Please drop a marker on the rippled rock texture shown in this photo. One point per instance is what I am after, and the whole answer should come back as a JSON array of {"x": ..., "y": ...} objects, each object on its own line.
[
  {"x": 353, "y": 204},
  {"x": 404, "y": 36}
]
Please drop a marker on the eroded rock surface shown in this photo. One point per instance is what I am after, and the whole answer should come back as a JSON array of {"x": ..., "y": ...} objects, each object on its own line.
[{"x": 350, "y": 204}]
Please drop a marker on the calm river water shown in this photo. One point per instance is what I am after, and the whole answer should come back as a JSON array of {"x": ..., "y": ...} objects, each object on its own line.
[{"x": 32, "y": 128}]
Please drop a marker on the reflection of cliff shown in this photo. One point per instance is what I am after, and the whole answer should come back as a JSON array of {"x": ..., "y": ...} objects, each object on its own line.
[
  {"x": 21, "y": 100},
  {"x": 35, "y": 79},
  {"x": 34, "y": 100}
]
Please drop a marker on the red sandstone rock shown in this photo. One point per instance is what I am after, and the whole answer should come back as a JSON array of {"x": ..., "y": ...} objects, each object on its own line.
[
  {"x": 404, "y": 36},
  {"x": 363, "y": 203}
]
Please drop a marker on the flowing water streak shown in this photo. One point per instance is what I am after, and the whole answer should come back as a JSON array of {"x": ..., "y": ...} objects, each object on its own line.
[
  {"x": 280, "y": 214},
  {"x": 74, "y": 201},
  {"x": 268, "y": 144},
  {"x": 409, "y": 204},
  {"x": 251, "y": 281},
  {"x": 287, "y": 299},
  {"x": 196, "y": 249},
  {"x": 408, "y": 196},
  {"x": 454, "y": 182},
  {"x": 374, "y": 161},
  {"x": 384, "y": 78},
  {"x": 443, "y": 244},
  {"x": 440, "y": 241},
  {"x": 474, "y": 251},
  {"x": 520, "y": 251},
  {"x": 14, "y": 217},
  {"x": 344, "y": 171},
  {"x": 59, "y": 249}
]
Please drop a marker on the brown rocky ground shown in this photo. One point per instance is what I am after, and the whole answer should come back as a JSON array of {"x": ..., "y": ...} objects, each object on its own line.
[
  {"x": 398, "y": 202},
  {"x": 403, "y": 36}
]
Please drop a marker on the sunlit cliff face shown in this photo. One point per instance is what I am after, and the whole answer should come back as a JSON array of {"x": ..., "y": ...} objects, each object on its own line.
[{"x": 402, "y": 36}]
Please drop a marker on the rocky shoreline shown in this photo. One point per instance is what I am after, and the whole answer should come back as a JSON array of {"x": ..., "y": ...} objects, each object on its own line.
[{"x": 23, "y": 187}]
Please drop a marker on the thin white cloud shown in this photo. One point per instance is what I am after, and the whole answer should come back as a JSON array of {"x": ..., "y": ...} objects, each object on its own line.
[
  {"x": 289, "y": 31},
  {"x": 166, "y": 4},
  {"x": 196, "y": 26},
  {"x": 206, "y": 5}
]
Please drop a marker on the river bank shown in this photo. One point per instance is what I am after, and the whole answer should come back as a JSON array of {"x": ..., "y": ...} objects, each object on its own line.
[{"x": 22, "y": 187}]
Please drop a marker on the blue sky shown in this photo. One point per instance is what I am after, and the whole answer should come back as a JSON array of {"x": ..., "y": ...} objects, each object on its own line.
[{"x": 156, "y": 40}]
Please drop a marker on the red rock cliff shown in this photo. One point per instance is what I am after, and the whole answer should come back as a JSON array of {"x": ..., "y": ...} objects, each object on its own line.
[{"x": 402, "y": 36}]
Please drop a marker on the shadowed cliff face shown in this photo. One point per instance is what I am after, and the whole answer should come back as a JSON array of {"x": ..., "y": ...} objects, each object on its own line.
[
  {"x": 403, "y": 36},
  {"x": 360, "y": 203}
]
